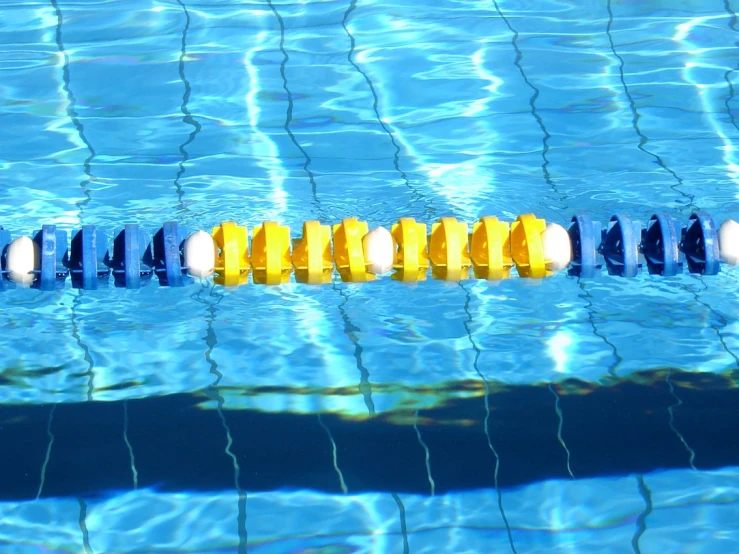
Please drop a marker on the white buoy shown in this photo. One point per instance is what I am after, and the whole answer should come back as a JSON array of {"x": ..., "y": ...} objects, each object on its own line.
[
  {"x": 557, "y": 246},
  {"x": 200, "y": 254},
  {"x": 728, "y": 241},
  {"x": 379, "y": 250},
  {"x": 23, "y": 257}
]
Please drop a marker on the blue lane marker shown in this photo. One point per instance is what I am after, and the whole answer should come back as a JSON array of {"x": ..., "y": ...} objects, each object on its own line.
[
  {"x": 132, "y": 258},
  {"x": 585, "y": 236},
  {"x": 54, "y": 258},
  {"x": 660, "y": 244},
  {"x": 620, "y": 246},
  {"x": 5, "y": 239},
  {"x": 700, "y": 244},
  {"x": 88, "y": 258},
  {"x": 168, "y": 255}
]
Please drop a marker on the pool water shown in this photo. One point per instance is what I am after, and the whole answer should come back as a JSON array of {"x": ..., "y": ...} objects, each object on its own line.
[{"x": 562, "y": 415}]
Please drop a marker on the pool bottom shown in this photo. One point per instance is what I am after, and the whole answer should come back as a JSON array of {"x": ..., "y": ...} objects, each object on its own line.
[{"x": 510, "y": 437}]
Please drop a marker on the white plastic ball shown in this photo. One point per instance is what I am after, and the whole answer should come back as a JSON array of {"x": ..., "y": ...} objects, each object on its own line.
[
  {"x": 557, "y": 246},
  {"x": 728, "y": 241},
  {"x": 200, "y": 254},
  {"x": 379, "y": 250},
  {"x": 23, "y": 258}
]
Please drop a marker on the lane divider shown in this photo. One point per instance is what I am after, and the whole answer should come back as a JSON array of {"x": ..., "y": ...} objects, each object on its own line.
[{"x": 490, "y": 249}]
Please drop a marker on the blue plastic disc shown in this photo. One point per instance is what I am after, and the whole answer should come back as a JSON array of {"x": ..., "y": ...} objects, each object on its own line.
[
  {"x": 87, "y": 259},
  {"x": 585, "y": 236},
  {"x": 167, "y": 255},
  {"x": 132, "y": 258},
  {"x": 700, "y": 244},
  {"x": 5, "y": 239},
  {"x": 660, "y": 246},
  {"x": 620, "y": 246},
  {"x": 54, "y": 257}
]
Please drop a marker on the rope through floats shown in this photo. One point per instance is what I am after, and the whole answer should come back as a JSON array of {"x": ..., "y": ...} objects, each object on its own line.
[{"x": 490, "y": 249}]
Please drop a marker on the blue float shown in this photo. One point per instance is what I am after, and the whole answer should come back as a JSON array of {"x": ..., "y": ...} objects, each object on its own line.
[
  {"x": 700, "y": 244},
  {"x": 5, "y": 239},
  {"x": 132, "y": 263},
  {"x": 54, "y": 258},
  {"x": 168, "y": 263},
  {"x": 620, "y": 246},
  {"x": 660, "y": 245},
  {"x": 88, "y": 258},
  {"x": 585, "y": 236}
]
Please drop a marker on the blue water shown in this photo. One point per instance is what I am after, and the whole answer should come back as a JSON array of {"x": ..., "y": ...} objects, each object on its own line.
[{"x": 515, "y": 416}]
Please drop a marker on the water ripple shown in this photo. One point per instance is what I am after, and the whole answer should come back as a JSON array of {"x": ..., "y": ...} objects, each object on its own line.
[
  {"x": 532, "y": 104},
  {"x": 290, "y": 105},
  {"x": 636, "y": 116},
  {"x": 188, "y": 118},
  {"x": 451, "y": 108},
  {"x": 732, "y": 93},
  {"x": 418, "y": 197},
  {"x": 72, "y": 110}
]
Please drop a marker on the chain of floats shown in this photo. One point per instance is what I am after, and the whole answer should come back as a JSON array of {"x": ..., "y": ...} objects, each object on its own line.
[{"x": 489, "y": 250}]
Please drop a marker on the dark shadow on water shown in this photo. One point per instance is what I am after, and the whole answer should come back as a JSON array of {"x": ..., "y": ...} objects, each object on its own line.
[{"x": 610, "y": 430}]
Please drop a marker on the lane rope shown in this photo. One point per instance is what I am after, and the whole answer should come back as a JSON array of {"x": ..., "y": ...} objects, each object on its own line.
[{"x": 450, "y": 249}]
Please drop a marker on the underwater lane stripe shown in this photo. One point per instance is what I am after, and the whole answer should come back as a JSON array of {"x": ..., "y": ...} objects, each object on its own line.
[{"x": 612, "y": 430}]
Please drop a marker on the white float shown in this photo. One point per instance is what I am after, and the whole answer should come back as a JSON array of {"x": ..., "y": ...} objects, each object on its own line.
[
  {"x": 728, "y": 241},
  {"x": 199, "y": 254},
  {"x": 379, "y": 250},
  {"x": 23, "y": 258},
  {"x": 557, "y": 246}
]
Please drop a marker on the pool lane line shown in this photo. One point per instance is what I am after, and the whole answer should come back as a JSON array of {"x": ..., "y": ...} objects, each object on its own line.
[
  {"x": 72, "y": 112},
  {"x": 533, "y": 108},
  {"x": 184, "y": 108},
  {"x": 418, "y": 196},
  {"x": 212, "y": 391},
  {"x": 636, "y": 116},
  {"x": 290, "y": 106},
  {"x": 486, "y": 421}
]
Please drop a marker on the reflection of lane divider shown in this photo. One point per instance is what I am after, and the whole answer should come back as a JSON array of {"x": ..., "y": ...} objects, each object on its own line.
[{"x": 490, "y": 249}]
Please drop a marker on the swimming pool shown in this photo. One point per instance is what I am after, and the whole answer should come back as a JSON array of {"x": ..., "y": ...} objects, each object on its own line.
[{"x": 561, "y": 415}]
